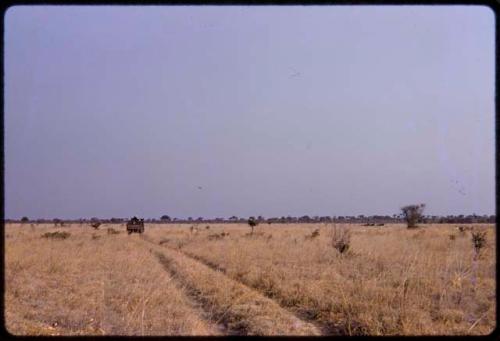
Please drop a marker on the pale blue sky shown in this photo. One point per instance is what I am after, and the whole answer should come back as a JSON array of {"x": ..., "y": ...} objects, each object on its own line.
[{"x": 318, "y": 110}]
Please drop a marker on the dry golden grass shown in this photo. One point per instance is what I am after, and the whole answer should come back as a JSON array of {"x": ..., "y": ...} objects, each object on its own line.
[
  {"x": 239, "y": 308},
  {"x": 391, "y": 281},
  {"x": 91, "y": 286},
  {"x": 277, "y": 281}
]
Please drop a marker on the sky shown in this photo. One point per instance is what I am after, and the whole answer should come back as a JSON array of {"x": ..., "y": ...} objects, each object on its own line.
[{"x": 214, "y": 111}]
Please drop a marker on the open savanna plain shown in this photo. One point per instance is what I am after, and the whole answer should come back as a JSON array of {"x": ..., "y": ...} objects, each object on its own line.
[{"x": 220, "y": 279}]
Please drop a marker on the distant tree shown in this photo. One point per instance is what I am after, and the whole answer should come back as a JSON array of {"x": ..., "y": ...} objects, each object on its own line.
[
  {"x": 56, "y": 221},
  {"x": 413, "y": 214},
  {"x": 252, "y": 223},
  {"x": 165, "y": 218},
  {"x": 190, "y": 219},
  {"x": 305, "y": 219},
  {"x": 24, "y": 220},
  {"x": 325, "y": 219}
]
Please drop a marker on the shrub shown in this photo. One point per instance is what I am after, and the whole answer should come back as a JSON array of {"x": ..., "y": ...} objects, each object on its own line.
[
  {"x": 252, "y": 223},
  {"x": 214, "y": 236},
  {"x": 217, "y": 236},
  {"x": 207, "y": 227},
  {"x": 112, "y": 231},
  {"x": 452, "y": 236},
  {"x": 56, "y": 235},
  {"x": 95, "y": 225},
  {"x": 341, "y": 239},
  {"x": 462, "y": 229},
  {"x": 478, "y": 240},
  {"x": 413, "y": 214},
  {"x": 313, "y": 235},
  {"x": 24, "y": 220}
]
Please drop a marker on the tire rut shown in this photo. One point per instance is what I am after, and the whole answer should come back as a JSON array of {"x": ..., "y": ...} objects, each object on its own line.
[
  {"x": 194, "y": 295},
  {"x": 255, "y": 315},
  {"x": 191, "y": 295},
  {"x": 319, "y": 329}
]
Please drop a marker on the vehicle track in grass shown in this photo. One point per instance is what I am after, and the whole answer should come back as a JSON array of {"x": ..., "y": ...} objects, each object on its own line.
[
  {"x": 192, "y": 297},
  {"x": 304, "y": 315},
  {"x": 241, "y": 309}
]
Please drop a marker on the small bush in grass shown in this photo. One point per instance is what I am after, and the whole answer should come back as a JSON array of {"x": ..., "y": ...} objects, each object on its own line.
[
  {"x": 217, "y": 236},
  {"x": 94, "y": 237},
  {"x": 207, "y": 227},
  {"x": 478, "y": 240},
  {"x": 463, "y": 229},
  {"x": 452, "y": 236},
  {"x": 56, "y": 235},
  {"x": 341, "y": 239},
  {"x": 313, "y": 235},
  {"x": 112, "y": 231},
  {"x": 164, "y": 241},
  {"x": 252, "y": 223},
  {"x": 413, "y": 214},
  {"x": 214, "y": 236},
  {"x": 96, "y": 225}
]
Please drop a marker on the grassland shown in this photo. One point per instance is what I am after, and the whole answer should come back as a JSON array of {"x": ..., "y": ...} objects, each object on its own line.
[{"x": 222, "y": 280}]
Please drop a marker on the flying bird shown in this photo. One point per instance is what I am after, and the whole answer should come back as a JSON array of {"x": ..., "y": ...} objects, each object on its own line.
[{"x": 295, "y": 73}]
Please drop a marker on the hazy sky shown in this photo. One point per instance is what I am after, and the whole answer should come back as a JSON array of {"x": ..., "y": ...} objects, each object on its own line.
[{"x": 213, "y": 111}]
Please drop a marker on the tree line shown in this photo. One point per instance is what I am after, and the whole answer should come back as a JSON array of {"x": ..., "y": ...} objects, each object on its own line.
[{"x": 359, "y": 219}]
